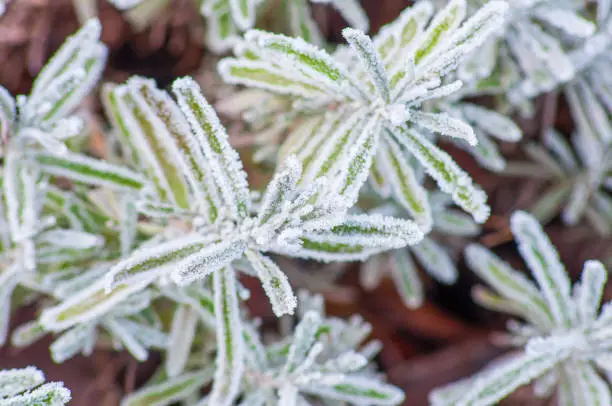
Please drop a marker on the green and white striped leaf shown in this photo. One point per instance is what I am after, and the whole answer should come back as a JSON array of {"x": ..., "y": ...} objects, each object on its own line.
[
  {"x": 156, "y": 260},
  {"x": 436, "y": 261},
  {"x": 275, "y": 283},
  {"x": 88, "y": 304},
  {"x": 230, "y": 341},
  {"x": 88, "y": 170},
  {"x": 358, "y": 237},
  {"x": 406, "y": 187},
  {"x": 208, "y": 260},
  {"x": 170, "y": 391},
  {"x": 67, "y": 77},
  {"x": 213, "y": 140},
  {"x": 406, "y": 278},
  {"x": 447, "y": 174},
  {"x": 543, "y": 261},
  {"x": 182, "y": 333},
  {"x": 510, "y": 283},
  {"x": 356, "y": 389},
  {"x": 507, "y": 377},
  {"x": 588, "y": 294}
]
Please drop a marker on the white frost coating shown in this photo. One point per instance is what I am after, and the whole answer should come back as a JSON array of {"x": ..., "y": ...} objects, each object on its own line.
[
  {"x": 275, "y": 283},
  {"x": 447, "y": 174},
  {"x": 53, "y": 393},
  {"x": 445, "y": 125},
  {"x": 224, "y": 161},
  {"x": 406, "y": 278},
  {"x": 544, "y": 262},
  {"x": 86, "y": 305},
  {"x": 89, "y": 170},
  {"x": 588, "y": 296},
  {"x": 508, "y": 282},
  {"x": 567, "y": 20},
  {"x": 230, "y": 342},
  {"x": 363, "y": 47},
  {"x": 492, "y": 122},
  {"x": 154, "y": 260},
  {"x": 206, "y": 261},
  {"x": 15, "y": 381},
  {"x": 435, "y": 260},
  {"x": 182, "y": 333}
]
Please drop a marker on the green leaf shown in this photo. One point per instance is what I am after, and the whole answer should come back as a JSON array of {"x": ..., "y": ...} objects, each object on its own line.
[{"x": 88, "y": 170}]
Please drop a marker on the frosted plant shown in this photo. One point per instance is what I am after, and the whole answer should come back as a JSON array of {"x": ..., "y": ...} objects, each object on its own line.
[
  {"x": 39, "y": 124},
  {"x": 376, "y": 88},
  {"x": 192, "y": 178},
  {"x": 430, "y": 253},
  {"x": 27, "y": 386},
  {"x": 565, "y": 344},
  {"x": 529, "y": 50},
  {"x": 324, "y": 359},
  {"x": 580, "y": 173},
  {"x": 226, "y": 19},
  {"x": 590, "y": 61}
]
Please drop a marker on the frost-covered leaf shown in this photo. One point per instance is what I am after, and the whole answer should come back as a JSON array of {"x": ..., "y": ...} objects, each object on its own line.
[
  {"x": 87, "y": 304},
  {"x": 509, "y": 283},
  {"x": 544, "y": 262},
  {"x": 406, "y": 278},
  {"x": 504, "y": 379},
  {"x": 144, "y": 263},
  {"x": 364, "y": 48},
  {"x": 67, "y": 77},
  {"x": 404, "y": 183},
  {"x": 15, "y": 381},
  {"x": 588, "y": 295},
  {"x": 275, "y": 283},
  {"x": 169, "y": 391},
  {"x": 450, "y": 178},
  {"x": 436, "y": 261},
  {"x": 182, "y": 333},
  {"x": 88, "y": 170},
  {"x": 208, "y": 260},
  {"x": 47, "y": 394},
  {"x": 212, "y": 138},
  {"x": 358, "y": 237},
  {"x": 230, "y": 341},
  {"x": 356, "y": 389}
]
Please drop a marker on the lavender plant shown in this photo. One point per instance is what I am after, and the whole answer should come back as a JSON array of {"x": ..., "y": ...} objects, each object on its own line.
[
  {"x": 377, "y": 87},
  {"x": 226, "y": 19},
  {"x": 323, "y": 358},
  {"x": 564, "y": 339},
  {"x": 528, "y": 56},
  {"x": 35, "y": 124},
  {"x": 26, "y": 387}
]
